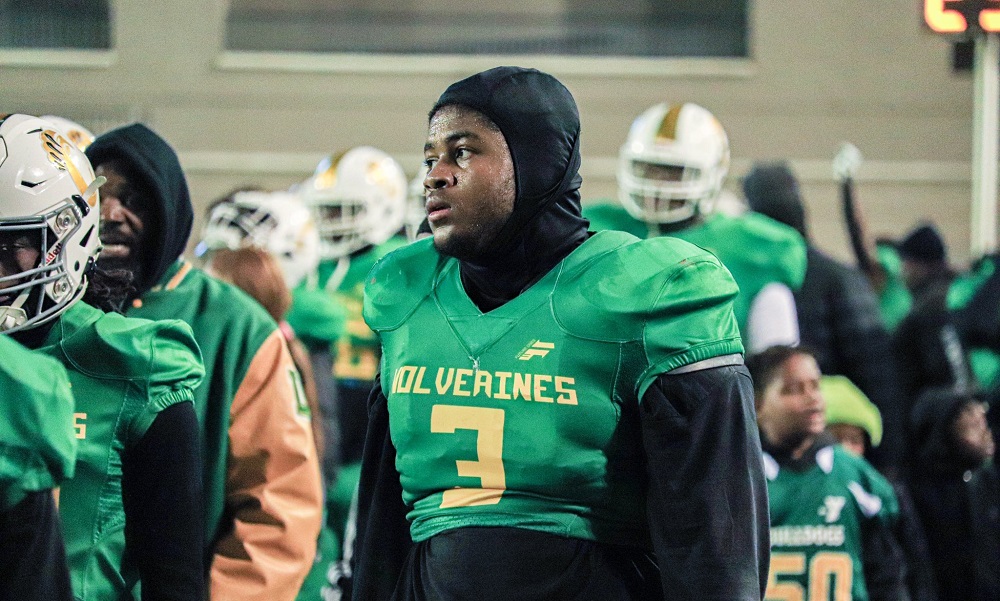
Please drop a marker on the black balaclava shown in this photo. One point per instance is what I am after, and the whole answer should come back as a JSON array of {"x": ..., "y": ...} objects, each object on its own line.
[
  {"x": 148, "y": 158},
  {"x": 772, "y": 190},
  {"x": 539, "y": 120}
]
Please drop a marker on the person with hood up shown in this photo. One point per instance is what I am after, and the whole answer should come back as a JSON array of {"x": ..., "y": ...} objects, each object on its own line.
[
  {"x": 263, "y": 498},
  {"x": 558, "y": 415},
  {"x": 956, "y": 491}
]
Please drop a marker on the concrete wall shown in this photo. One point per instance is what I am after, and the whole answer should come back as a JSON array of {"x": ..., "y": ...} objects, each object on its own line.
[{"x": 819, "y": 73}]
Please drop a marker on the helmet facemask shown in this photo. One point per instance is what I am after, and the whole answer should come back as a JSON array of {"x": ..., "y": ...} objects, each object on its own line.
[
  {"x": 33, "y": 295},
  {"x": 277, "y": 222},
  {"x": 358, "y": 200}
]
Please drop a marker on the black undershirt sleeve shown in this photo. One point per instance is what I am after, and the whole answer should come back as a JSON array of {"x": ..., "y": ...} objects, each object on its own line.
[
  {"x": 707, "y": 498},
  {"x": 164, "y": 505},
  {"x": 32, "y": 557},
  {"x": 383, "y": 533}
]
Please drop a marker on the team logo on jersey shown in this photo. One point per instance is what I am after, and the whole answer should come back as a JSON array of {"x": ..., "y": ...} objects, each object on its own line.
[
  {"x": 832, "y": 506},
  {"x": 535, "y": 348}
]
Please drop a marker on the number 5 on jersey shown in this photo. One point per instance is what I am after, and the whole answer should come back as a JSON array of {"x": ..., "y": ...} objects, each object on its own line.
[{"x": 488, "y": 466}]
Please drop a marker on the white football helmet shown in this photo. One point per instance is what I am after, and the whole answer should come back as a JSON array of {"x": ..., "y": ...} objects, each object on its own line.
[
  {"x": 673, "y": 163},
  {"x": 358, "y": 199},
  {"x": 278, "y": 222},
  {"x": 48, "y": 193},
  {"x": 415, "y": 201},
  {"x": 71, "y": 130}
]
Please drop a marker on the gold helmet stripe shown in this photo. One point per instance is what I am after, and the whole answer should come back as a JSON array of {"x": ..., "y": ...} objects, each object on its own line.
[
  {"x": 668, "y": 127},
  {"x": 328, "y": 177},
  {"x": 55, "y": 146}
]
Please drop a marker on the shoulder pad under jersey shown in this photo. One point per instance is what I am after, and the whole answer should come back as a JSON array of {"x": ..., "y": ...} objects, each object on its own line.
[
  {"x": 619, "y": 285},
  {"x": 156, "y": 354},
  {"x": 399, "y": 282}
]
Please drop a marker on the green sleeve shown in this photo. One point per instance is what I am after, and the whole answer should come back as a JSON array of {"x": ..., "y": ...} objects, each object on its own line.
[
  {"x": 175, "y": 370},
  {"x": 691, "y": 319},
  {"x": 37, "y": 445}
]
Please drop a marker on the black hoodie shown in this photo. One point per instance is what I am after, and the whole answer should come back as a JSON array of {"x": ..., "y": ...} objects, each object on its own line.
[
  {"x": 539, "y": 121},
  {"x": 152, "y": 163},
  {"x": 958, "y": 500}
]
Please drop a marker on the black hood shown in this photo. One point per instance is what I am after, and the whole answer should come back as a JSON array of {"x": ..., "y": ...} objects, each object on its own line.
[
  {"x": 147, "y": 156},
  {"x": 930, "y": 422},
  {"x": 773, "y": 190},
  {"x": 539, "y": 121}
]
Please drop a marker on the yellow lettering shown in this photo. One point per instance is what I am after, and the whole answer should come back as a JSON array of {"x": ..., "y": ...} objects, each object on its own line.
[
  {"x": 395, "y": 379},
  {"x": 79, "y": 426},
  {"x": 502, "y": 393},
  {"x": 567, "y": 394},
  {"x": 460, "y": 375},
  {"x": 522, "y": 386},
  {"x": 417, "y": 386},
  {"x": 484, "y": 381},
  {"x": 406, "y": 378},
  {"x": 540, "y": 388},
  {"x": 785, "y": 564},
  {"x": 943, "y": 20},
  {"x": 488, "y": 467},
  {"x": 449, "y": 375}
]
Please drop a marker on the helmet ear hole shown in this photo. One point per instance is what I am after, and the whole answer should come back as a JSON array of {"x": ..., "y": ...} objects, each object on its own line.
[{"x": 86, "y": 238}]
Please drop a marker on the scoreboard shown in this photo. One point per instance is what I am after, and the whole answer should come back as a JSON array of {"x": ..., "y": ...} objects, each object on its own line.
[{"x": 959, "y": 16}]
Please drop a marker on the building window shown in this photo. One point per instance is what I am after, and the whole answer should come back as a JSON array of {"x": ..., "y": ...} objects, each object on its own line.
[
  {"x": 630, "y": 28},
  {"x": 63, "y": 24}
]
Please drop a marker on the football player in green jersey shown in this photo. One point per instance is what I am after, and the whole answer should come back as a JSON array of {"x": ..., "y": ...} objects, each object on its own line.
[
  {"x": 670, "y": 175},
  {"x": 130, "y": 510},
  {"x": 263, "y": 497},
  {"x": 559, "y": 415},
  {"x": 832, "y": 514},
  {"x": 37, "y": 452},
  {"x": 358, "y": 198}
]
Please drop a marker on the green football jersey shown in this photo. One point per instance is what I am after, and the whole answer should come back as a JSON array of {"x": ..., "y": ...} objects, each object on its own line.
[
  {"x": 610, "y": 215},
  {"x": 123, "y": 373},
  {"x": 817, "y": 519},
  {"x": 526, "y": 416},
  {"x": 357, "y": 350},
  {"x": 37, "y": 443},
  {"x": 756, "y": 249}
]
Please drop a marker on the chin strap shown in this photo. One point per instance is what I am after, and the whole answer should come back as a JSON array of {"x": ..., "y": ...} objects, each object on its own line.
[{"x": 13, "y": 315}]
